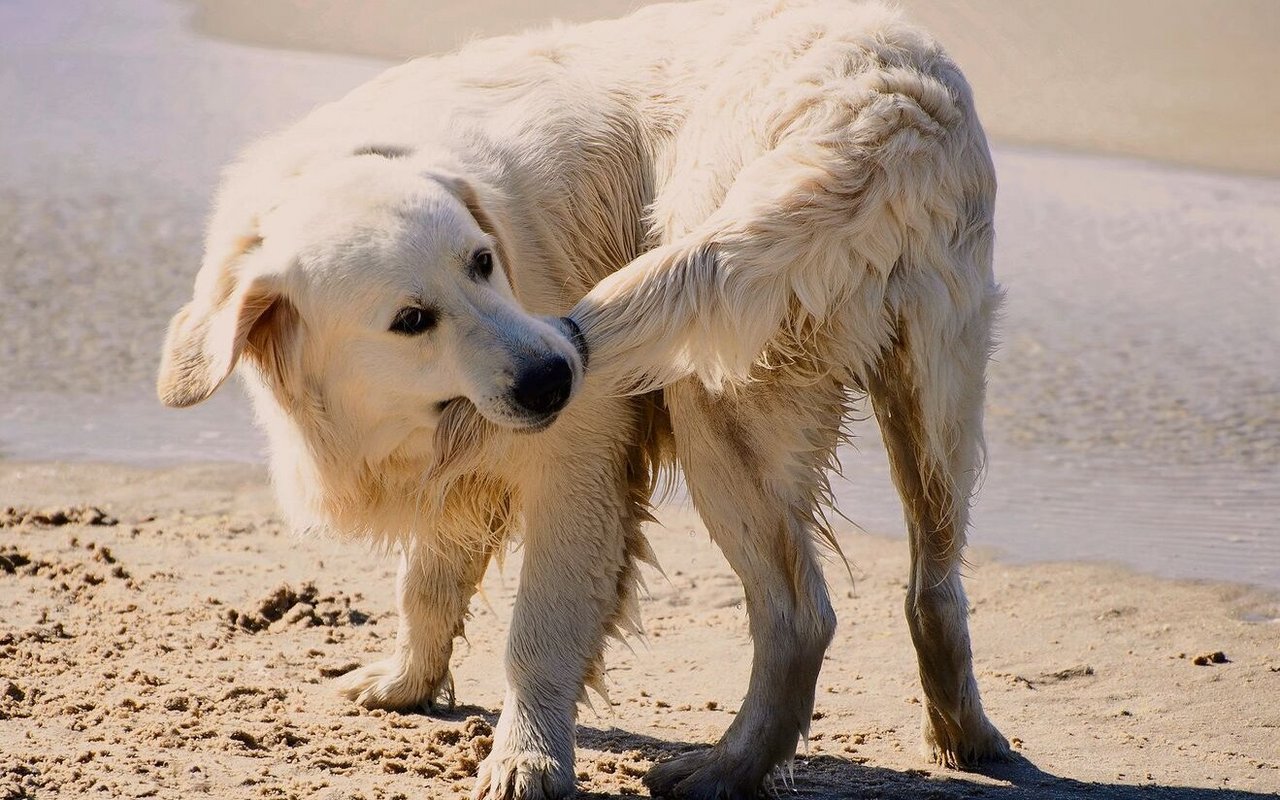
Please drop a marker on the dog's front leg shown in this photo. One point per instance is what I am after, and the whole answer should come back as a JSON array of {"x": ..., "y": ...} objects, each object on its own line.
[
  {"x": 575, "y": 556},
  {"x": 433, "y": 587}
]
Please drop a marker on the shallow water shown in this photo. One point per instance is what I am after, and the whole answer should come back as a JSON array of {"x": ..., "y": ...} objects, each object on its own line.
[
  {"x": 1134, "y": 408},
  {"x": 1205, "y": 521},
  {"x": 128, "y": 428}
]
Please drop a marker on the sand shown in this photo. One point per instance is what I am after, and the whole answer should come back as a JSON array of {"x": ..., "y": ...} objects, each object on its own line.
[
  {"x": 1189, "y": 81},
  {"x": 166, "y": 637}
]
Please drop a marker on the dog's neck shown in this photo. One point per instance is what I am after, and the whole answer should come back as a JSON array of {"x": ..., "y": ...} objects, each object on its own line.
[{"x": 432, "y": 485}]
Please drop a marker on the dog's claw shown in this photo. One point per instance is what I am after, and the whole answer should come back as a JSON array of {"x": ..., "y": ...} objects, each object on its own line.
[
  {"x": 522, "y": 776},
  {"x": 961, "y": 750},
  {"x": 444, "y": 691},
  {"x": 386, "y": 685},
  {"x": 703, "y": 775}
]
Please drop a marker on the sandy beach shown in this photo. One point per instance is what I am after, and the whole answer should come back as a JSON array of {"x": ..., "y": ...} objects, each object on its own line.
[
  {"x": 1186, "y": 81},
  {"x": 165, "y": 636},
  {"x": 176, "y": 641}
]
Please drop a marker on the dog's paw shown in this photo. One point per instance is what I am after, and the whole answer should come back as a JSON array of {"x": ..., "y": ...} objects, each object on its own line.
[
  {"x": 963, "y": 748},
  {"x": 705, "y": 775},
  {"x": 523, "y": 776},
  {"x": 388, "y": 685}
]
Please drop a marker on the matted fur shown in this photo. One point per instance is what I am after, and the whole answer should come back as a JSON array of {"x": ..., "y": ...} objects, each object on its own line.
[{"x": 752, "y": 213}]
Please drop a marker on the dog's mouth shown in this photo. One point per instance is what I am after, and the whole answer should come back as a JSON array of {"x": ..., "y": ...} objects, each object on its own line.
[
  {"x": 513, "y": 423},
  {"x": 523, "y": 423},
  {"x": 444, "y": 405},
  {"x": 537, "y": 426}
]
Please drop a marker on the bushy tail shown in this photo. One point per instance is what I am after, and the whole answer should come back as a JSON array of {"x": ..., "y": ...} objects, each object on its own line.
[{"x": 807, "y": 238}]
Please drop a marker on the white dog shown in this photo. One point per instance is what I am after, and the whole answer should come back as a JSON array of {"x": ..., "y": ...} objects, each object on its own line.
[{"x": 748, "y": 215}]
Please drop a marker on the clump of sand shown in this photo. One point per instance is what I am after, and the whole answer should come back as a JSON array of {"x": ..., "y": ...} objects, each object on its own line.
[{"x": 307, "y": 606}]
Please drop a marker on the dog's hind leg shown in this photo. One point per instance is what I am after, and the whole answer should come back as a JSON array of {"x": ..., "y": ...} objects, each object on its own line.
[
  {"x": 432, "y": 592},
  {"x": 755, "y": 464},
  {"x": 927, "y": 392}
]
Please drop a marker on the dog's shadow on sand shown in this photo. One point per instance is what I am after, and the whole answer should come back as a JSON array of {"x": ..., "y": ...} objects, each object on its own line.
[{"x": 827, "y": 777}]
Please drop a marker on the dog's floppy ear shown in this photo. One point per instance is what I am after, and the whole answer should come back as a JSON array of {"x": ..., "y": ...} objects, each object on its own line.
[{"x": 207, "y": 336}]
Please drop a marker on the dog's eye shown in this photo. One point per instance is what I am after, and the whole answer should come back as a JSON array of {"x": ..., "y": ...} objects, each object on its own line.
[
  {"x": 482, "y": 264},
  {"x": 412, "y": 321}
]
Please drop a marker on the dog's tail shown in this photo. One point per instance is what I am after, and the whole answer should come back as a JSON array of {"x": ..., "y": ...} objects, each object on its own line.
[{"x": 876, "y": 199}]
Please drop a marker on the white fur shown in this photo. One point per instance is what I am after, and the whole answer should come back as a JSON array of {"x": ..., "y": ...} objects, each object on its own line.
[{"x": 752, "y": 212}]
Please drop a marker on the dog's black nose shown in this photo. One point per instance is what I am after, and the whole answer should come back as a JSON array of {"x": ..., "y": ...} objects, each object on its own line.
[{"x": 544, "y": 387}]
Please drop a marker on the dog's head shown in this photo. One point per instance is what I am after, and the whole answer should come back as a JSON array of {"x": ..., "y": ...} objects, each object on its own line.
[{"x": 373, "y": 295}]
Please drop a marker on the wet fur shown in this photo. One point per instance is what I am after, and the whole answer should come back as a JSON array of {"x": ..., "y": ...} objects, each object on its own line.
[{"x": 754, "y": 214}]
